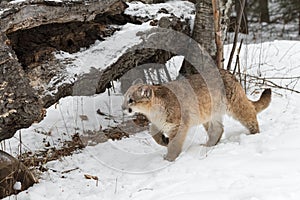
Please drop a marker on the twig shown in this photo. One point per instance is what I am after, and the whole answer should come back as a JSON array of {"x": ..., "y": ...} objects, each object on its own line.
[
  {"x": 265, "y": 80},
  {"x": 4, "y": 61},
  {"x": 63, "y": 119},
  {"x": 237, "y": 64},
  {"x": 236, "y": 32},
  {"x": 82, "y": 113},
  {"x": 20, "y": 140},
  {"x": 281, "y": 87},
  {"x": 286, "y": 78},
  {"x": 144, "y": 189},
  {"x": 116, "y": 185},
  {"x": 69, "y": 170},
  {"x": 238, "y": 58}
]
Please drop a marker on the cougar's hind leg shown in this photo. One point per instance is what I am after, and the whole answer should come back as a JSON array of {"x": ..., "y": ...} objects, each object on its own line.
[
  {"x": 206, "y": 126},
  {"x": 214, "y": 131}
]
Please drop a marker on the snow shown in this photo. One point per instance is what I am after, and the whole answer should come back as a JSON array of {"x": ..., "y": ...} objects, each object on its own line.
[
  {"x": 3, "y": 10},
  {"x": 265, "y": 166},
  {"x": 185, "y": 10},
  {"x": 182, "y": 9},
  {"x": 17, "y": 185},
  {"x": 17, "y": 1}
]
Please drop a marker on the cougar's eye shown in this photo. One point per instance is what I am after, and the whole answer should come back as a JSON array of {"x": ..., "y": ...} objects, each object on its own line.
[{"x": 130, "y": 100}]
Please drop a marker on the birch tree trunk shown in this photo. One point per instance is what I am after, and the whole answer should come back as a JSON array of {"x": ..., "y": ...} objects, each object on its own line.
[
  {"x": 203, "y": 31},
  {"x": 264, "y": 11}
]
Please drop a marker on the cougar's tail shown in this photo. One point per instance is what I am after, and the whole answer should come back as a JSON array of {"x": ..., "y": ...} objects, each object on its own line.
[{"x": 263, "y": 101}]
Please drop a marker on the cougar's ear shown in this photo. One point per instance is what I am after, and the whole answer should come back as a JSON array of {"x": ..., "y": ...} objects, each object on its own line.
[
  {"x": 146, "y": 91},
  {"x": 137, "y": 81}
]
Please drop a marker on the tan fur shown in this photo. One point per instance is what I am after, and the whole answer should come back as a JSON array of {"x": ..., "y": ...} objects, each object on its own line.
[{"x": 176, "y": 106}]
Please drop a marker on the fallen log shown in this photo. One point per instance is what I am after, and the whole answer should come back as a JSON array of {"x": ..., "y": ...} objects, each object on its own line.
[
  {"x": 33, "y": 78},
  {"x": 24, "y": 31}
]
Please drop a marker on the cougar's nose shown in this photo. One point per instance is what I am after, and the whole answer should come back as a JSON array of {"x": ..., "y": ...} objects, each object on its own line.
[{"x": 123, "y": 107}]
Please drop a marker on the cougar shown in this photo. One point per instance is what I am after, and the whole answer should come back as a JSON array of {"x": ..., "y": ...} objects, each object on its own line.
[{"x": 172, "y": 109}]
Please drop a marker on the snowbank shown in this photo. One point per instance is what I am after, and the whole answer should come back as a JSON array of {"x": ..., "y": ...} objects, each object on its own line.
[{"x": 257, "y": 167}]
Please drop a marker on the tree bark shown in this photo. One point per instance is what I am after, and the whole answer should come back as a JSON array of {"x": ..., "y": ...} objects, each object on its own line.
[
  {"x": 203, "y": 33},
  {"x": 35, "y": 13},
  {"x": 20, "y": 105},
  {"x": 264, "y": 11},
  {"x": 299, "y": 23},
  {"x": 21, "y": 102}
]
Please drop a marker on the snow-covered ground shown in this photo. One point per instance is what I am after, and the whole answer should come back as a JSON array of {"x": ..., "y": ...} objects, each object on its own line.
[
  {"x": 241, "y": 167},
  {"x": 262, "y": 166}
]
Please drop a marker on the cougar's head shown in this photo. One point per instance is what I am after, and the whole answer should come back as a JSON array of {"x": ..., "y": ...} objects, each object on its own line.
[{"x": 137, "y": 99}]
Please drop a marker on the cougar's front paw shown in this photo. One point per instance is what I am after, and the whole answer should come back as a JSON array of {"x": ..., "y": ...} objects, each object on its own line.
[{"x": 171, "y": 156}]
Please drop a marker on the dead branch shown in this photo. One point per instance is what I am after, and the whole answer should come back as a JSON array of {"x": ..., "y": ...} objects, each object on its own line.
[
  {"x": 236, "y": 32},
  {"x": 270, "y": 83},
  {"x": 238, "y": 65}
]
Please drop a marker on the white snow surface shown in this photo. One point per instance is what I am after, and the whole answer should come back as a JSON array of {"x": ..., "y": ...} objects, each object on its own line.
[
  {"x": 17, "y": 186},
  {"x": 184, "y": 9},
  {"x": 17, "y": 1},
  {"x": 262, "y": 166},
  {"x": 265, "y": 166}
]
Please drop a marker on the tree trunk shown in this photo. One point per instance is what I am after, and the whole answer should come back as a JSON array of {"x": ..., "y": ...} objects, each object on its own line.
[
  {"x": 203, "y": 33},
  {"x": 264, "y": 11},
  {"x": 244, "y": 21},
  {"x": 299, "y": 23}
]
